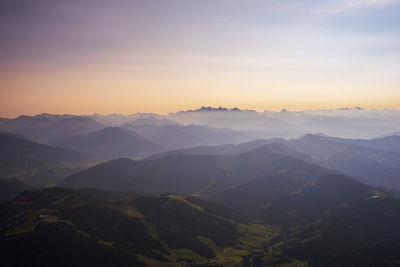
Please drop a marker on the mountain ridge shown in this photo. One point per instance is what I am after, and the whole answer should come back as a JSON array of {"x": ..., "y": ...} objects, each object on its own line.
[{"x": 112, "y": 142}]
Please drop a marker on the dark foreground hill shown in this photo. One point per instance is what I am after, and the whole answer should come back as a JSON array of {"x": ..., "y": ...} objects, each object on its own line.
[
  {"x": 61, "y": 227},
  {"x": 331, "y": 221},
  {"x": 364, "y": 232},
  {"x": 10, "y": 188},
  {"x": 288, "y": 200}
]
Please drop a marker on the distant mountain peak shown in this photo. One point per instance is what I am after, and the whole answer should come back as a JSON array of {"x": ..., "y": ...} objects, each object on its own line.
[
  {"x": 311, "y": 136},
  {"x": 203, "y": 108},
  {"x": 213, "y": 109},
  {"x": 355, "y": 108}
]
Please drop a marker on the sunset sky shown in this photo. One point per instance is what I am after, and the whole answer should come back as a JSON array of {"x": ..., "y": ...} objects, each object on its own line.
[{"x": 126, "y": 56}]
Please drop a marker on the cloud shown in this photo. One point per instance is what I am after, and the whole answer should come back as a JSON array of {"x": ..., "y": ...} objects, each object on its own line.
[{"x": 348, "y": 5}]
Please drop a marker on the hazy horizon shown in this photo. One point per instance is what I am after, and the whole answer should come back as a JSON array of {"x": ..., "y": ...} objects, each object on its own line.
[
  {"x": 13, "y": 116},
  {"x": 157, "y": 56}
]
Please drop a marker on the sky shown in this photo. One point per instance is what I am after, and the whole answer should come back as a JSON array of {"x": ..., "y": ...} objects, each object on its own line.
[{"x": 121, "y": 56}]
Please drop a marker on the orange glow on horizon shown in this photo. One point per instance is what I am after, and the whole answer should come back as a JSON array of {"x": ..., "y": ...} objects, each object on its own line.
[{"x": 91, "y": 92}]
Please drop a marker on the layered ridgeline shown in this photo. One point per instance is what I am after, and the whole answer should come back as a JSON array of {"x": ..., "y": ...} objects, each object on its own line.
[
  {"x": 111, "y": 143},
  {"x": 173, "y": 135},
  {"x": 219, "y": 150},
  {"x": 347, "y": 123},
  {"x": 138, "y": 139},
  {"x": 273, "y": 186},
  {"x": 312, "y": 191},
  {"x": 379, "y": 168},
  {"x": 319, "y": 216},
  {"x": 50, "y": 129},
  {"x": 196, "y": 174},
  {"x": 78, "y": 130},
  {"x": 387, "y": 143},
  {"x": 374, "y": 161},
  {"x": 61, "y": 227},
  {"x": 344, "y": 122},
  {"x": 37, "y": 164}
]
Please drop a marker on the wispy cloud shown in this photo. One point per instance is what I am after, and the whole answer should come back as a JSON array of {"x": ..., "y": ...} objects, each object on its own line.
[
  {"x": 352, "y": 3},
  {"x": 348, "y": 5}
]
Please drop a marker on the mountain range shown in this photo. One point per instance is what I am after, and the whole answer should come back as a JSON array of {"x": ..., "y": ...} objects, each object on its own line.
[
  {"x": 374, "y": 161},
  {"x": 173, "y": 136},
  {"x": 349, "y": 123},
  {"x": 111, "y": 143},
  {"x": 50, "y": 129},
  {"x": 190, "y": 174},
  {"x": 36, "y": 164},
  {"x": 201, "y": 187}
]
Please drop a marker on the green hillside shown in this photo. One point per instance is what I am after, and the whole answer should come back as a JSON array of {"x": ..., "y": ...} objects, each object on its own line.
[{"x": 64, "y": 227}]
